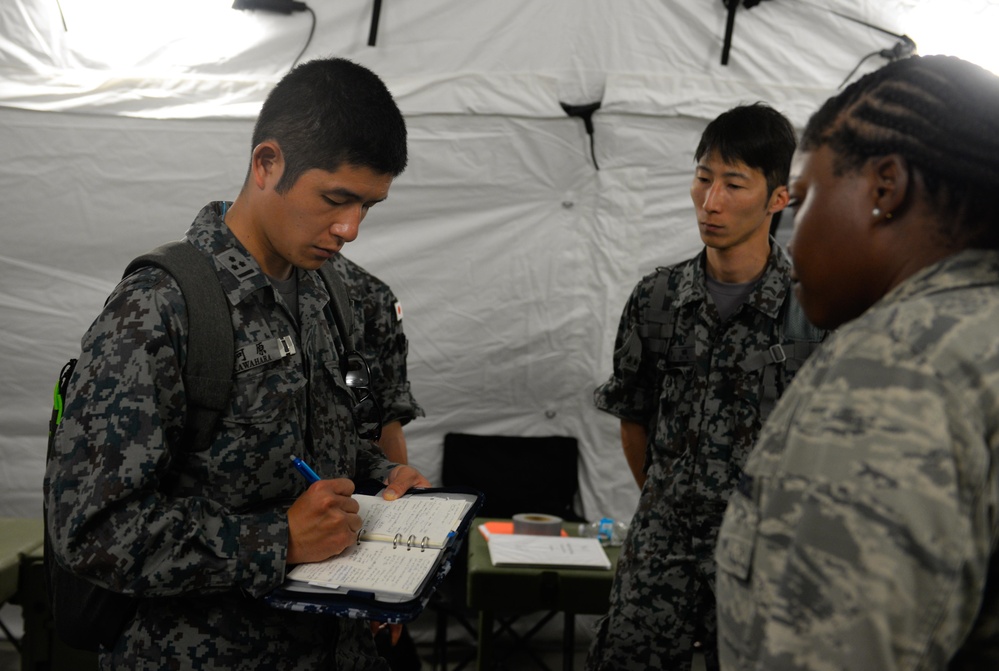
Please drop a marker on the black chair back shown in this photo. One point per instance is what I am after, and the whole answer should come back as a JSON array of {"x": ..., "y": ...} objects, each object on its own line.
[{"x": 517, "y": 474}]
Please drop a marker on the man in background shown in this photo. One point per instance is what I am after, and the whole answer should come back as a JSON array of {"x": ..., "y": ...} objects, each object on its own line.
[
  {"x": 379, "y": 332},
  {"x": 703, "y": 350},
  {"x": 378, "y": 321}
]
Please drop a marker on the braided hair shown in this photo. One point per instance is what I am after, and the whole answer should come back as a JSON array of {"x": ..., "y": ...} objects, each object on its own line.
[{"x": 941, "y": 115}]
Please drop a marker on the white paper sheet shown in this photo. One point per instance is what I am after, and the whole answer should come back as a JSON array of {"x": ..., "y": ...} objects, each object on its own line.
[{"x": 556, "y": 551}]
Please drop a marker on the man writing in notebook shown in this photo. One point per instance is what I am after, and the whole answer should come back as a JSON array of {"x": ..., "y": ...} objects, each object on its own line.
[{"x": 198, "y": 537}]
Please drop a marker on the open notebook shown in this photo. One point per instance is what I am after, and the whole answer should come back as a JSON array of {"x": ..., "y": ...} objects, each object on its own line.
[
  {"x": 399, "y": 546},
  {"x": 401, "y": 551}
]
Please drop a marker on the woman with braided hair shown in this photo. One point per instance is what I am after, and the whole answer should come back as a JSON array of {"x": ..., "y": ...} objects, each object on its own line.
[{"x": 864, "y": 532}]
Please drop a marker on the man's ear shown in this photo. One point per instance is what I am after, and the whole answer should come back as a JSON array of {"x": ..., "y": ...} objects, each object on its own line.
[
  {"x": 778, "y": 200},
  {"x": 266, "y": 164},
  {"x": 890, "y": 175}
]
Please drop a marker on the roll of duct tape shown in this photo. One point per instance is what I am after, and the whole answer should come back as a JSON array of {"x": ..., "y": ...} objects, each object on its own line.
[{"x": 537, "y": 524}]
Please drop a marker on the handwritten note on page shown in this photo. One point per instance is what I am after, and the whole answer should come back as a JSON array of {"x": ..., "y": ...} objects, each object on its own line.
[
  {"x": 418, "y": 517},
  {"x": 373, "y": 567}
]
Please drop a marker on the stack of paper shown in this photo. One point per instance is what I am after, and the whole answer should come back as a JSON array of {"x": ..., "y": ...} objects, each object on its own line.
[{"x": 555, "y": 551}]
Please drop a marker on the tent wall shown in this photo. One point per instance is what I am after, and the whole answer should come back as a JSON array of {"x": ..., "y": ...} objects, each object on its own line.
[{"x": 511, "y": 253}]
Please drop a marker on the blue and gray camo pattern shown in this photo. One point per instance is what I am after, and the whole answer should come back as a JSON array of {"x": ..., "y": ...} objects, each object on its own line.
[
  {"x": 703, "y": 418},
  {"x": 202, "y": 535},
  {"x": 378, "y": 326}
]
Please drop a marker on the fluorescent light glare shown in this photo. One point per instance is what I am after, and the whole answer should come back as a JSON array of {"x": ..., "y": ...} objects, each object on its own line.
[
  {"x": 963, "y": 28},
  {"x": 161, "y": 35}
]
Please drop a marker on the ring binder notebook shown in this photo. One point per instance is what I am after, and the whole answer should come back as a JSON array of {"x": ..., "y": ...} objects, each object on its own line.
[{"x": 403, "y": 552}]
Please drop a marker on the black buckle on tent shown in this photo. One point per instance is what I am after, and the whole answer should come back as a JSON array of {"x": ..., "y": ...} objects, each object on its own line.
[{"x": 585, "y": 112}]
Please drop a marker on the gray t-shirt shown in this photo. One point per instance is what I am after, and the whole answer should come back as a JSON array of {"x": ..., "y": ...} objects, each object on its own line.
[{"x": 728, "y": 297}]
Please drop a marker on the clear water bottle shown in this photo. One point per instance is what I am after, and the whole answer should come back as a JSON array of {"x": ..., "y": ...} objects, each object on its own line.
[{"x": 606, "y": 530}]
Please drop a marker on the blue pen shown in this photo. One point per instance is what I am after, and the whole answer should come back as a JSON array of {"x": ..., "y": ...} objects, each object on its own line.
[{"x": 304, "y": 469}]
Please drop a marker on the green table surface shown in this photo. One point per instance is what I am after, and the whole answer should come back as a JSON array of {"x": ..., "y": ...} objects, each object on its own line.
[
  {"x": 18, "y": 536},
  {"x": 529, "y": 589}
]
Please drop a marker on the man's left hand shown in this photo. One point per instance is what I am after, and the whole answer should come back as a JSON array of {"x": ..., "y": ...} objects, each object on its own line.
[{"x": 399, "y": 481}]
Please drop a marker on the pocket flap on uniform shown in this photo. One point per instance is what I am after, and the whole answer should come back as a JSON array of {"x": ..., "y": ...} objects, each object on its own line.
[{"x": 734, "y": 551}]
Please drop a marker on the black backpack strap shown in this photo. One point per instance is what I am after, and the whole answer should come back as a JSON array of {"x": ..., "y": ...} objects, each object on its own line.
[
  {"x": 210, "y": 342},
  {"x": 657, "y": 326},
  {"x": 343, "y": 315},
  {"x": 84, "y": 614},
  {"x": 655, "y": 333},
  {"x": 796, "y": 338}
]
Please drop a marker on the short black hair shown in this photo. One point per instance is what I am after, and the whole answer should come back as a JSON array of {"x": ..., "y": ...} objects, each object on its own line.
[
  {"x": 757, "y": 135},
  {"x": 941, "y": 115},
  {"x": 329, "y": 112}
]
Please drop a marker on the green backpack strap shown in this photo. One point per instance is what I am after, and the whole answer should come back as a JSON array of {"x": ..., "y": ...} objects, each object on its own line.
[{"x": 210, "y": 342}]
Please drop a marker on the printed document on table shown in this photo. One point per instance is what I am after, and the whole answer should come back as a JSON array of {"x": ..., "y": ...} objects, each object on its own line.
[{"x": 555, "y": 551}]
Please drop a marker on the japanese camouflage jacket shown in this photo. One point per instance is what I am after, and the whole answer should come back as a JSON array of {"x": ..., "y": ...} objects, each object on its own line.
[
  {"x": 200, "y": 535},
  {"x": 704, "y": 397},
  {"x": 702, "y": 387}
]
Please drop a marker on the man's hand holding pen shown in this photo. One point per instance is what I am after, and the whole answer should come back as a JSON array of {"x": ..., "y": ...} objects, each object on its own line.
[{"x": 323, "y": 522}]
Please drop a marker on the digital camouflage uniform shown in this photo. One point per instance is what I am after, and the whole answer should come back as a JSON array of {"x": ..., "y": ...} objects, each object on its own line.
[
  {"x": 864, "y": 536},
  {"x": 203, "y": 534},
  {"x": 703, "y": 403},
  {"x": 378, "y": 325}
]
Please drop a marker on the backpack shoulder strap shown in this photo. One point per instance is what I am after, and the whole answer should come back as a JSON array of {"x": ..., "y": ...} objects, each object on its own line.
[
  {"x": 802, "y": 333},
  {"x": 210, "y": 342},
  {"x": 657, "y": 319},
  {"x": 660, "y": 322},
  {"x": 85, "y": 615},
  {"x": 653, "y": 330},
  {"x": 795, "y": 339},
  {"x": 339, "y": 305}
]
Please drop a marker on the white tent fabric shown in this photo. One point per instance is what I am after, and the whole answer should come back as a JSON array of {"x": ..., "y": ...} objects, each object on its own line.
[{"x": 511, "y": 252}]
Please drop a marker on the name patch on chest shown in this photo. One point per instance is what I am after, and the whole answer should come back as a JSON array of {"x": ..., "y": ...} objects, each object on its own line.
[{"x": 261, "y": 353}]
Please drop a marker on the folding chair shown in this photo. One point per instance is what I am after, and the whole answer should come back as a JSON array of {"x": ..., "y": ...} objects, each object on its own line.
[{"x": 517, "y": 475}]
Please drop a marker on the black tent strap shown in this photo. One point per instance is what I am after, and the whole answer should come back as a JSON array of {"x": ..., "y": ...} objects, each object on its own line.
[
  {"x": 376, "y": 12},
  {"x": 731, "y": 6}
]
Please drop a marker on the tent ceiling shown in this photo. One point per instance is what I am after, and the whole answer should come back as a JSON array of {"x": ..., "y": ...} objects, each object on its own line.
[{"x": 511, "y": 253}]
